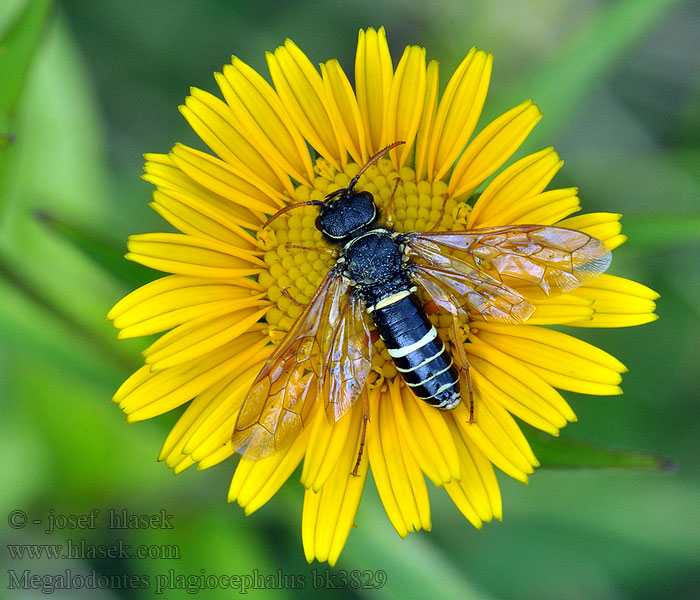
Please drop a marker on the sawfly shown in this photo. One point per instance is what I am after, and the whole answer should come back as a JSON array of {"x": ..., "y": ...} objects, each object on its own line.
[{"x": 326, "y": 356}]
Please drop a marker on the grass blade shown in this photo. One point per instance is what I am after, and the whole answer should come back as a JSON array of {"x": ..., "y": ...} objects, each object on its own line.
[
  {"x": 17, "y": 49},
  {"x": 99, "y": 250},
  {"x": 555, "y": 453}
]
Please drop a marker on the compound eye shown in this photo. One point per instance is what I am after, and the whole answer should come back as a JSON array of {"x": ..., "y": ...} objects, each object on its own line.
[
  {"x": 366, "y": 207},
  {"x": 331, "y": 222},
  {"x": 365, "y": 197}
]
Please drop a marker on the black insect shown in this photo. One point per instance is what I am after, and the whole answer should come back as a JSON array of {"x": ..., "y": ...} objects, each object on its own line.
[{"x": 327, "y": 354}]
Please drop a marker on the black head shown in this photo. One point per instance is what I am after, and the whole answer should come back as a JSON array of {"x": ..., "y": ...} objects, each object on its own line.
[{"x": 345, "y": 214}]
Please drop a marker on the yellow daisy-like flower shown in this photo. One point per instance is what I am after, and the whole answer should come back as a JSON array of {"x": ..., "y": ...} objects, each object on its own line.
[{"x": 234, "y": 288}]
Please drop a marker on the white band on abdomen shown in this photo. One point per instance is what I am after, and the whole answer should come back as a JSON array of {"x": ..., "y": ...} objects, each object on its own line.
[
  {"x": 425, "y": 362},
  {"x": 447, "y": 368},
  {"x": 426, "y": 339}
]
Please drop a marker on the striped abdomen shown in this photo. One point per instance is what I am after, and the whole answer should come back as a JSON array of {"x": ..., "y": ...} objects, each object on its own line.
[{"x": 417, "y": 350}]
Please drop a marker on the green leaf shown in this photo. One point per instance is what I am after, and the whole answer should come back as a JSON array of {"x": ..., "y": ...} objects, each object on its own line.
[
  {"x": 99, "y": 250},
  {"x": 17, "y": 49},
  {"x": 58, "y": 166},
  {"x": 418, "y": 569},
  {"x": 378, "y": 564},
  {"x": 34, "y": 298},
  {"x": 555, "y": 453},
  {"x": 562, "y": 83},
  {"x": 658, "y": 230},
  {"x": 6, "y": 140}
]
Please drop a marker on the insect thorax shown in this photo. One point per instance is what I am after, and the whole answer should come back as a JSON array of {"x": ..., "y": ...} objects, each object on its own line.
[{"x": 374, "y": 263}]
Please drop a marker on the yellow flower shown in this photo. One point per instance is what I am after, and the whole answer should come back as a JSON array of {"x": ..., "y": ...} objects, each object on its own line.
[{"x": 235, "y": 288}]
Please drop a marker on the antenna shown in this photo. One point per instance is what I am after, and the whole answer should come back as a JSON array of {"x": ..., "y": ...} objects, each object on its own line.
[
  {"x": 371, "y": 161},
  {"x": 290, "y": 207}
]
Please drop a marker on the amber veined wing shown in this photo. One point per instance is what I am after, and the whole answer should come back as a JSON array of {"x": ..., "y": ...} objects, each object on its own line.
[
  {"x": 349, "y": 359},
  {"x": 491, "y": 272},
  {"x": 286, "y": 389},
  {"x": 475, "y": 293}
]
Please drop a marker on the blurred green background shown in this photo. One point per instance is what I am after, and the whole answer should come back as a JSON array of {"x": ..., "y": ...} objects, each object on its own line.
[{"x": 87, "y": 87}]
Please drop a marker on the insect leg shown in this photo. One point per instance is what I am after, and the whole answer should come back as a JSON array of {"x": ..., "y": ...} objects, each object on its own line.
[
  {"x": 442, "y": 213},
  {"x": 463, "y": 363},
  {"x": 387, "y": 208},
  {"x": 365, "y": 418},
  {"x": 286, "y": 293},
  {"x": 430, "y": 307},
  {"x": 332, "y": 251}
]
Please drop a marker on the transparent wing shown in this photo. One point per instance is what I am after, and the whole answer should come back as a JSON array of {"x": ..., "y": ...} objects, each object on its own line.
[
  {"x": 283, "y": 393},
  {"x": 532, "y": 260},
  {"x": 473, "y": 292},
  {"x": 349, "y": 359}
]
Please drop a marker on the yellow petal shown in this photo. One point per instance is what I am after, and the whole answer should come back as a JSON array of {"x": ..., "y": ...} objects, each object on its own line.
[
  {"x": 428, "y": 438},
  {"x": 201, "y": 336},
  {"x": 458, "y": 112},
  {"x": 518, "y": 383},
  {"x": 548, "y": 208},
  {"x": 171, "y": 451},
  {"x": 213, "y": 121},
  {"x": 328, "y": 442},
  {"x": 435, "y": 420},
  {"x": 470, "y": 493},
  {"x": 506, "y": 422},
  {"x": 603, "y": 226},
  {"x": 187, "y": 255},
  {"x": 530, "y": 413},
  {"x": 543, "y": 209},
  {"x": 415, "y": 474},
  {"x": 404, "y": 476},
  {"x": 492, "y": 147},
  {"x": 309, "y": 519},
  {"x": 523, "y": 179},
  {"x": 174, "y": 283},
  {"x": 216, "y": 422},
  {"x": 162, "y": 172},
  {"x": 226, "y": 181},
  {"x": 136, "y": 379},
  {"x": 425, "y": 129},
  {"x": 185, "y": 463},
  {"x": 561, "y": 360},
  {"x": 168, "y": 389},
  {"x": 256, "y": 106},
  {"x": 617, "y": 302},
  {"x": 319, "y": 439},
  {"x": 200, "y": 219},
  {"x": 301, "y": 90},
  {"x": 378, "y": 463},
  {"x": 486, "y": 436},
  {"x": 488, "y": 477},
  {"x": 559, "y": 310},
  {"x": 344, "y": 111},
  {"x": 203, "y": 433},
  {"x": 262, "y": 478},
  {"x": 216, "y": 457},
  {"x": 373, "y": 76},
  {"x": 500, "y": 428},
  {"x": 328, "y": 515},
  {"x": 169, "y": 308},
  {"x": 405, "y": 104}
]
